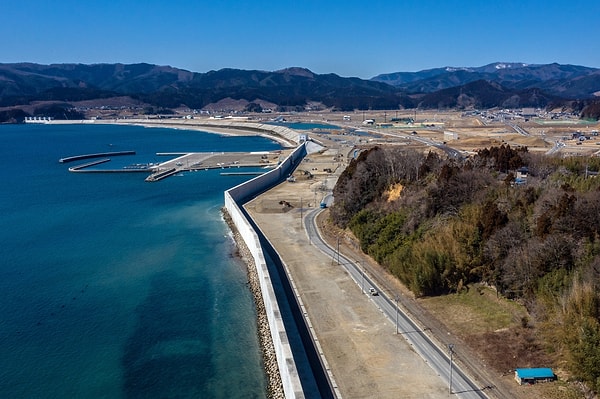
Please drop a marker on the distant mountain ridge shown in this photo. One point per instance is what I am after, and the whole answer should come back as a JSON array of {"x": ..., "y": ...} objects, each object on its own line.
[
  {"x": 172, "y": 87},
  {"x": 483, "y": 94},
  {"x": 166, "y": 87},
  {"x": 567, "y": 81}
]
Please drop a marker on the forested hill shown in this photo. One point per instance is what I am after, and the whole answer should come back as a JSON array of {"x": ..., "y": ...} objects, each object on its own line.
[
  {"x": 28, "y": 89},
  {"x": 524, "y": 224},
  {"x": 168, "y": 87}
]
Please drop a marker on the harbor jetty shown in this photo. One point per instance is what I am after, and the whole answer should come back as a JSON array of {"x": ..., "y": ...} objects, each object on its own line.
[
  {"x": 87, "y": 165},
  {"x": 96, "y": 155},
  {"x": 161, "y": 175},
  {"x": 215, "y": 160},
  {"x": 184, "y": 162}
]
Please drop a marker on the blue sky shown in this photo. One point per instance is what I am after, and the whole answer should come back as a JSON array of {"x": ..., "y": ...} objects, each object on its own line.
[{"x": 349, "y": 38}]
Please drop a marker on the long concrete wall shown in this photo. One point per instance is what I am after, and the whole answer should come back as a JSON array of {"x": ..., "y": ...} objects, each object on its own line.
[
  {"x": 284, "y": 135},
  {"x": 264, "y": 128},
  {"x": 234, "y": 198}
]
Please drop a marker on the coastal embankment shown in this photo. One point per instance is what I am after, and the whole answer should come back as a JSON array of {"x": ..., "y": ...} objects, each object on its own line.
[
  {"x": 274, "y": 384},
  {"x": 300, "y": 364},
  {"x": 285, "y": 136}
]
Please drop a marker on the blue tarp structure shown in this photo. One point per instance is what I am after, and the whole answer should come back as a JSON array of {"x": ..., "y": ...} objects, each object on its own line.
[{"x": 533, "y": 375}]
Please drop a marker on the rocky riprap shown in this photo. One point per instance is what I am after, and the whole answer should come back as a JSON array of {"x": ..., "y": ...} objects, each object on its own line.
[{"x": 274, "y": 384}]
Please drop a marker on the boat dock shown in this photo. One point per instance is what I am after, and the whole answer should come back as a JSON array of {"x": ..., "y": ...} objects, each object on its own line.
[
  {"x": 161, "y": 175},
  {"x": 183, "y": 162},
  {"x": 213, "y": 160}
]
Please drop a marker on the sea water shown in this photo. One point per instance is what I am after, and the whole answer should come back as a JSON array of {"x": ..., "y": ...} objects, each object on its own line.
[{"x": 113, "y": 287}]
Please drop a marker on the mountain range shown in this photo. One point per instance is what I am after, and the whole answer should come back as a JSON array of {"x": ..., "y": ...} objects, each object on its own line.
[
  {"x": 165, "y": 87},
  {"x": 568, "y": 81}
]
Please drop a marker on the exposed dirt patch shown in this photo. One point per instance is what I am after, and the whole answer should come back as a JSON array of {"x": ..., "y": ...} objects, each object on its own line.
[
  {"x": 273, "y": 205},
  {"x": 394, "y": 193},
  {"x": 511, "y": 348}
]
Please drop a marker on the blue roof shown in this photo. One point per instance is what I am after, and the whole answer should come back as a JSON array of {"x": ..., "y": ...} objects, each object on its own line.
[{"x": 543, "y": 372}]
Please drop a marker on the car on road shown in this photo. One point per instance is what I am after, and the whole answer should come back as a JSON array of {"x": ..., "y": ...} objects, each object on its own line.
[{"x": 373, "y": 291}]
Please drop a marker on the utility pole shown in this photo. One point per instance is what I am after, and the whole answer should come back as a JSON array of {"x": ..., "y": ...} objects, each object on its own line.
[
  {"x": 301, "y": 215},
  {"x": 451, "y": 347},
  {"x": 397, "y": 299},
  {"x": 362, "y": 278}
]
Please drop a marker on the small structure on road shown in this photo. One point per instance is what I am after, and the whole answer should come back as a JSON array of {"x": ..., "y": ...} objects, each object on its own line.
[{"x": 533, "y": 375}]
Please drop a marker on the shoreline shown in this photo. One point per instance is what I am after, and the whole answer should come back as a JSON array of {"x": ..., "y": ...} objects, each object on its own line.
[
  {"x": 207, "y": 127},
  {"x": 227, "y": 128},
  {"x": 274, "y": 383}
]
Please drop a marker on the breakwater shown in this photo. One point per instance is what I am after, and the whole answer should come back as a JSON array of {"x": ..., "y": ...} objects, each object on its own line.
[
  {"x": 96, "y": 155},
  {"x": 300, "y": 365},
  {"x": 87, "y": 165},
  {"x": 286, "y": 136},
  {"x": 83, "y": 168}
]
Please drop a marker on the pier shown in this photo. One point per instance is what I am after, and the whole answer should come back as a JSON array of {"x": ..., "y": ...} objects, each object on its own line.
[
  {"x": 185, "y": 162},
  {"x": 215, "y": 160},
  {"x": 161, "y": 175}
]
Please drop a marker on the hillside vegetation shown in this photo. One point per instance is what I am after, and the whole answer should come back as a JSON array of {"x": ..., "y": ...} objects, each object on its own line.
[{"x": 440, "y": 225}]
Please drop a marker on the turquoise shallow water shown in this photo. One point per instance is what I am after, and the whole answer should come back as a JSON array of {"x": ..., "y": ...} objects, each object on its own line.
[{"x": 112, "y": 287}]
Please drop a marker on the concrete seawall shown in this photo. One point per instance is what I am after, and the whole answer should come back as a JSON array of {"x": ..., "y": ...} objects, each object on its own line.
[
  {"x": 294, "y": 367},
  {"x": 284, "y": 135},
  {"x": 234, "y": 198}
]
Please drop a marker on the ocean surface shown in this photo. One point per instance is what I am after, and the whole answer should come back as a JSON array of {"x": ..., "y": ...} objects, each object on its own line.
[{"x": 112, "y": 287}]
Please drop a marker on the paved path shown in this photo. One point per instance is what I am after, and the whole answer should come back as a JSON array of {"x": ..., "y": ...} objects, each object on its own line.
[{"x": 415, "y": 336}]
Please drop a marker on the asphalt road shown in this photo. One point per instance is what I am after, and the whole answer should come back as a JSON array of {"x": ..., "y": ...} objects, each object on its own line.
[{"x": 438, "y": 358}]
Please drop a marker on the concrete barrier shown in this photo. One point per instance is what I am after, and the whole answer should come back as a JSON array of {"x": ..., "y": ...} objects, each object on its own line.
[
  {"x": 284, "y": 135},
  {"x": 234, "y": 198}
]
